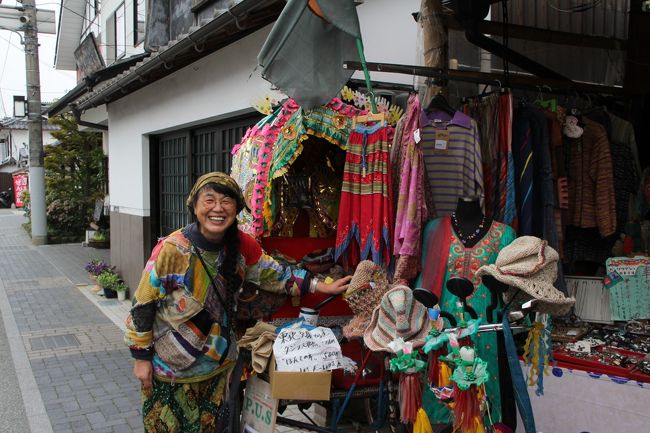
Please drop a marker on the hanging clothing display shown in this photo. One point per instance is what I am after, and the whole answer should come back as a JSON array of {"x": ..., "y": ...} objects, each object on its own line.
[
  {"x": 412, "y": 194},
  {"x": 365, "y": 223},
  {"x": 625, "y": 163},
  {"x": 452, "y": 157},
  {"x": 464, "y": 262},
  {"x": 493, "y": 114},
  {"x": 591, "y": 180}
]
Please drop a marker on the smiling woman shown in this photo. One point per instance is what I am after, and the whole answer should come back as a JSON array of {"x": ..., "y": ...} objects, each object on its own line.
[
  {"x": 189, "y": 290},
  {"x": 214, "y": 212}
]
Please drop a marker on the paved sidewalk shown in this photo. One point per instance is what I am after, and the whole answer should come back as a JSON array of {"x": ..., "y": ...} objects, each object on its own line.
[
  {"x": 69, "y": 362},
  {"x": 73, "y": 371}
]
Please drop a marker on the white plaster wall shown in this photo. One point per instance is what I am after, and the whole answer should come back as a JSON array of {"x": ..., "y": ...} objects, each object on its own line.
[
  {"x": 389, "y": 36},
  {"x": 20, "y": 136},
  {"x": 221, "y": 85}
]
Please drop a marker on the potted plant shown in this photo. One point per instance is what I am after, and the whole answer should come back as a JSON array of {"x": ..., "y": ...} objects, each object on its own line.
[
  {"x": 121, "y": 288},
  {"x": 108, "y": 280},
  {"x": 96, "y": 267},
  {"x": 100, "y": 239}
]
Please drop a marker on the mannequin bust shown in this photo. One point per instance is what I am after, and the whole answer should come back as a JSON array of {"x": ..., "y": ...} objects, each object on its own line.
[{"x": 469, "y": 222}]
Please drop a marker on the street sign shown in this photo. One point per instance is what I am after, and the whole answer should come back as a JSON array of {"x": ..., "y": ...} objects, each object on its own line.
[{"x": 12, "y": 18}]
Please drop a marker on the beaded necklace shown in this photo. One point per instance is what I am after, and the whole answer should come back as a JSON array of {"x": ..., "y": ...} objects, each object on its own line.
[{"x": 465, "y": 239}]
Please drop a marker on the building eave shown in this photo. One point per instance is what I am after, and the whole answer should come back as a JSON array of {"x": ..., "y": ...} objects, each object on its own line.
[
  {"x": 63, "y": 104},
  {"x": 242, "y": 19},
  {"x": 68, "y": 33}
]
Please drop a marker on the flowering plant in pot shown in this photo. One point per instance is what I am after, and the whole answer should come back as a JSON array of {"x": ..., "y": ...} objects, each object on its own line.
[
  {"x": 96, "y": 267},
  {"x": 108, "y": 280},
  {"x": 121, "y": 288}
]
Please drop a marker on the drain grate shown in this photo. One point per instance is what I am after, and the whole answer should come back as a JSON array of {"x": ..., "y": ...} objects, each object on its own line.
[{"x": 54, "y": 342}]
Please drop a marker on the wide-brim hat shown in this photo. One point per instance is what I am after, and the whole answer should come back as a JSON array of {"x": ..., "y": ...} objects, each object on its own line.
[
  {"x": 530, "y": 265},
  {"x": 364, "y": 293},
  {"x": 397, "y": 316}
]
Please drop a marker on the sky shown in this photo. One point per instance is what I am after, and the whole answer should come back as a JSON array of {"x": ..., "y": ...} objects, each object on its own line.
[{"x": 54, "y": 83}]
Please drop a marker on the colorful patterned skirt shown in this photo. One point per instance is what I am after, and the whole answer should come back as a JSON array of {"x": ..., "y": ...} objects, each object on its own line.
[
  {"x": 184, "y": 407},
  {"x": 365, "y": 223}
]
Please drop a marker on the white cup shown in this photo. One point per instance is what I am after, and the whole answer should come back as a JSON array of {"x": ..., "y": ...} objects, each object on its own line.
[{"x": 309, "y": 316}]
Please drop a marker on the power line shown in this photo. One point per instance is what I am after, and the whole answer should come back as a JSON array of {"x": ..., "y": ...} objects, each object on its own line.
[{"x": 40, "y": 61}]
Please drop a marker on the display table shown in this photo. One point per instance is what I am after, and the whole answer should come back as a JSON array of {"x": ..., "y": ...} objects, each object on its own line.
[{"x": 577, "y": 401}]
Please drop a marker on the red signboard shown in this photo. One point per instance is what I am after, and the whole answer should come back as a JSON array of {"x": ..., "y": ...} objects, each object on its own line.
[{"x": 20, "y": 185}]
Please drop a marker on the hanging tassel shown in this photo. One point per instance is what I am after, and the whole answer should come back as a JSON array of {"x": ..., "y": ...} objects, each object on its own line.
[
  {"x": 422, "y": 423},
  {"x": 444, "y": 377},
  {"x": 434, "y": 369},
  {"x": 467, "y": 411},
  {"x": 410, "y": 396},
  {"x": 536, "y": 354}
]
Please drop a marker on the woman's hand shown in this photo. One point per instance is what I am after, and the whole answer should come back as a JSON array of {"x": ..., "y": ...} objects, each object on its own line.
[
  {"x": 143, "y": 371},
  {"x": 338, "y": 286}
]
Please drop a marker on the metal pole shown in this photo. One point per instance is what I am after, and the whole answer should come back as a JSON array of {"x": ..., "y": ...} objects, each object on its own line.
[{"x": 35, "y": 127}]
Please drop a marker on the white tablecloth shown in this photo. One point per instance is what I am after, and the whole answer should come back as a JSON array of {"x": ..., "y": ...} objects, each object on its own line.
[{"x": 575, "y": 401}]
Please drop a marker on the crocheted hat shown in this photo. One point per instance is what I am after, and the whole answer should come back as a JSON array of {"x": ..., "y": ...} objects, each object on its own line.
[
  {"x": 398, "y": 315},
  {"x": 530, "y": 265},
  {"x": 368, "y": 285}
]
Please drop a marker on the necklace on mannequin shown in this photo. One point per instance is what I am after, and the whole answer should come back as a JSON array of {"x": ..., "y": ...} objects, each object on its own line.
[{"x": 467, "y": 238}]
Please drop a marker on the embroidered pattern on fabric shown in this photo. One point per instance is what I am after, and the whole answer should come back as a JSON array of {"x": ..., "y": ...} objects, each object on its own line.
[{"x": 466, "y": 261}]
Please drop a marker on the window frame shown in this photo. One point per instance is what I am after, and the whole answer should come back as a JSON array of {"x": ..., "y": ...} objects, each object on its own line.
[
  {"x": 115, "y": 32},
  {"x": 138, "y": 37}
]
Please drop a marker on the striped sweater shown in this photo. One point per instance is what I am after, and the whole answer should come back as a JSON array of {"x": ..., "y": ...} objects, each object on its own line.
[{"x": 454, "y": 169}]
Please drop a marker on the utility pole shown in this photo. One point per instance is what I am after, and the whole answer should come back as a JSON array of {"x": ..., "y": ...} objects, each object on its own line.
[{"x": 34, "y": 125}]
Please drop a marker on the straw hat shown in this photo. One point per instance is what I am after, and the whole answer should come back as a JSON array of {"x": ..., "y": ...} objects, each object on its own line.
[
  {"x": 368, "y": 285},
  {"x": 530, "y": 265},
  {"x": 398, "y": 315}
]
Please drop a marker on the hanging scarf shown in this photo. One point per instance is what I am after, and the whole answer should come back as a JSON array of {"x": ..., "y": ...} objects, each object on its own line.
[{"x": 438, "y": 243}]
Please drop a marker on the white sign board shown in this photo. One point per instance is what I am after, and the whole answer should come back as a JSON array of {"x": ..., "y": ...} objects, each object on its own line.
[{"x": 297, "y": 349}]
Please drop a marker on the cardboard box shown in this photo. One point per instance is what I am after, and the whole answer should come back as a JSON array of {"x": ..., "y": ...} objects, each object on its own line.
[{"x": 291, "y": 385}]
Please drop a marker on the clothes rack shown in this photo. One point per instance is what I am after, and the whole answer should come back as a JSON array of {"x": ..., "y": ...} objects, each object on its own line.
[{"x": 519, "y": 81}]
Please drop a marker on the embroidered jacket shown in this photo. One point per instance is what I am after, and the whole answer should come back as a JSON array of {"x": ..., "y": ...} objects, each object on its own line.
[{"x": 169, "y": 322}]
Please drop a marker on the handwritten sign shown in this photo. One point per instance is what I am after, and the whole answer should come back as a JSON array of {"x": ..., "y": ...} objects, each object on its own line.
[
  {"x": 259, "y": 410},
  {"x": 297, "y": 349},
  {"x": 20, "y": 185},
  {"x": 630, "y": 297}
]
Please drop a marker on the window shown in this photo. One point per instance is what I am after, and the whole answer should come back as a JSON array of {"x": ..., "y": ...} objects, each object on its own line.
[
  {"x": 4, "y": 150},
  {"x": 120, "y": 32},
  {"x": 115, "y": 35},
  {"x": 91, "y": 20},
  {"x": 139, "y": 16}
]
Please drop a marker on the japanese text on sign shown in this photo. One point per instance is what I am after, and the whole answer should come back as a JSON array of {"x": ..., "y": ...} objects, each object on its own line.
[
  {"x": 630, "y": 297},
  {"x": 298, "y": 349},
  {"x": 20, "y": 185}
]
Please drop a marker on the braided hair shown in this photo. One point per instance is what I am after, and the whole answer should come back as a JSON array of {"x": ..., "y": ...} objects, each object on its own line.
[{"x": 231, "y": 242}]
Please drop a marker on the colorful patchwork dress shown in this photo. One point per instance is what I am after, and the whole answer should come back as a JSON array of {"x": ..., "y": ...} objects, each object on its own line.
[
  {"x": 174, "y": 324},
  {"x": 464, "y": 262}
]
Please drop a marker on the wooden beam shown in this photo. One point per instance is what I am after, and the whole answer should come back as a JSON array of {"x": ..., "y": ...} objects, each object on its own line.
[{"x": 541, "y": 35}]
